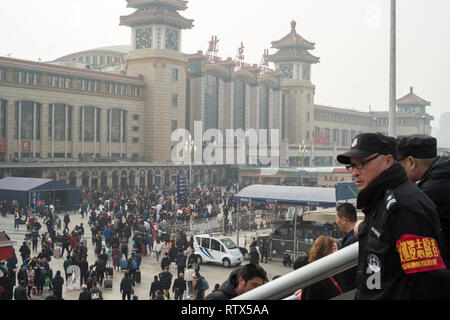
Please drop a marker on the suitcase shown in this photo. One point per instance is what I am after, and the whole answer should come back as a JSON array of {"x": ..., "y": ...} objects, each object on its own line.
[
  {"x": 85, "y": 243},
  {"x": 110, "y": 271},
  {"x": 138, "y": 276},
  {"x": 135, "y": 297},
  {"x": 123, "y": 265},
  {"x": 107, "y": 283}
]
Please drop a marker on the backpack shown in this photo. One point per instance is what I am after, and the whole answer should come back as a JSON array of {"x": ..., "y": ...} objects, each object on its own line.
[{"x": 204, "y": 284}]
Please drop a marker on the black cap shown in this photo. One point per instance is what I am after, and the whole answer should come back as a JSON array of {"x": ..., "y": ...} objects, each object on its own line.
[
  {"x": 418, "y": 146},
  {"x": 366, "y": 144}
]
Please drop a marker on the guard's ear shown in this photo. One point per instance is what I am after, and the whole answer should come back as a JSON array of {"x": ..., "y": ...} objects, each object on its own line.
[{"x": 411, "y": 162}]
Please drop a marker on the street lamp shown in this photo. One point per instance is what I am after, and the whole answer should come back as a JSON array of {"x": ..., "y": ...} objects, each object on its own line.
[
  {"x": 190, "y": 146},
  {"x": 375, "y": 122},
  {"x": 302, "y": 149},
  {"x": 423, "y": 124}
]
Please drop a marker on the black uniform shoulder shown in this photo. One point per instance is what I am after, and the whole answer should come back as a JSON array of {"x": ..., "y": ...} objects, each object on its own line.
[{"x": 411, "y": 211}]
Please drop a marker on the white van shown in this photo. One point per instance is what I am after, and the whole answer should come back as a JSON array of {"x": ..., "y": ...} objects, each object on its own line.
[{"x": 217, "y": 249}]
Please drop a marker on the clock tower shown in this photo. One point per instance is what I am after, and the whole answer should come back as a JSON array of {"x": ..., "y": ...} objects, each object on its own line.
[
  {"x": 156, "y": 27},
  {"x": 294, "y": 62}
]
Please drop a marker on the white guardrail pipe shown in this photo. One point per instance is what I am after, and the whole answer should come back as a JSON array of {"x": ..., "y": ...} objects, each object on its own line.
[{"x": 313, "y": 272}]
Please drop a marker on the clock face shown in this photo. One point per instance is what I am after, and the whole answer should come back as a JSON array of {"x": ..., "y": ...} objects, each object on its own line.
[
  {"x": 287, "y": 70},
  {"x": 143, "y": 38},
  {"x": 171, "y": 39}
]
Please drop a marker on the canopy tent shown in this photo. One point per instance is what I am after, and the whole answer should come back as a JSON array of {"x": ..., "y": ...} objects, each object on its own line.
[
  {"x": 290, "y": 195},
  {"x": 28, "y": 190}
]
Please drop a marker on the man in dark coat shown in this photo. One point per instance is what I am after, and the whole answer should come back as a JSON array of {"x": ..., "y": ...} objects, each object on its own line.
[
  {"x": 401, "y": 246},
  {"x": 24, "y": 251},
  {"x": 20, "y": 292},
  {"x": 165, "y": 261},
  {"x": 165, "y": 278},
  {"x": 181, "y": 262},
  {"x": 57, "y": 284},
  {"x": 418, "y": 155},
  {"x": 179, "y": 287},
  {"x": 126, "y": 286},
  {"x": 254, "y": 256},
  {"x": 241, "y": 280}
]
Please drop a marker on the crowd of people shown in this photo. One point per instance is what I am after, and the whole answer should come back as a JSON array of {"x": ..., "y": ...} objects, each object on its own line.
[{"x": 404, "y": 239}]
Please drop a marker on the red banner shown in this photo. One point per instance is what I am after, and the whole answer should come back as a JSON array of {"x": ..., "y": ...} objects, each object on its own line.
[
  {"x": 3, "y": 145},
  {"x": 6, "y": 252}
]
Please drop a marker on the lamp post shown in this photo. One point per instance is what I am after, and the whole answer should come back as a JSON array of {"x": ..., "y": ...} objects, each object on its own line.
[
  {"x": 302, "y": 148},
  {"x": 190, "y": 146},
  {"x": 375, "y": 122}
]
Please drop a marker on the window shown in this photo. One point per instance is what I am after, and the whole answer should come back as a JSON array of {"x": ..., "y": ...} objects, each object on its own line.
[
  {"x": 2, "y": 74},
  {"x": 174, "y": 74},
  {"x": 135, "y": 129},
  {"x": 135, "y": 140},
  {"x": 30, "y": 113},
  {"x": 174, "y": 125},
  {"x": 174, "y": 100},
  {"x": 135, "y": 117},
  {"x": 205, "y": 243},
  {"x": 215, "y": 245}
]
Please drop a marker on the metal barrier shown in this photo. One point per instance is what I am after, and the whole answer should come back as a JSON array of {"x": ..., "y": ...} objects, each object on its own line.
[{"x": 314, "y": 272}]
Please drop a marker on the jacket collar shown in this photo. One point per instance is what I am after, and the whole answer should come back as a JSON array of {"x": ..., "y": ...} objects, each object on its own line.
[{"x": 370, "y": 196}]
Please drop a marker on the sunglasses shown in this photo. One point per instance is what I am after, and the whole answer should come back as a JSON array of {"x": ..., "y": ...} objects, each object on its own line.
[{"x": 360, "y": 164}]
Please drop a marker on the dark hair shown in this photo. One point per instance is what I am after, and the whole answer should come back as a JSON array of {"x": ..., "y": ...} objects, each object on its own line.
[
  {"x": 347, "y": 210},
  {"x": 301, "y": 261},
  {"x": 250, "y": 271}
]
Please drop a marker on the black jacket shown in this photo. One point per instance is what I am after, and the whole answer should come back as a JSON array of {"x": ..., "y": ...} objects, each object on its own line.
[
  {"x": 436, "y": 185},
  {"x": 227, "y": 289},
  {"x": 395, "y": 210},
  {"x": 181, "y": 260},
  {"x": 165, "y": 278},
  {"x": 155, "y": 286},
  {"x": 85, "y": 295},
  {"x": 127, "y": 284},
  {"x": 322, "y": 290},
  {"x": 254, "y": 256},
  {"x": 20, "y": 293},
  {"x": 57, "y": 283},
  {"x": 347, "y": 279},
  {"x": 180, "y": 284}
]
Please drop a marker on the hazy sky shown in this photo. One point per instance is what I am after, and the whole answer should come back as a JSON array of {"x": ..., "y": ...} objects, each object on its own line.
[{"x": 351, "y": 36}]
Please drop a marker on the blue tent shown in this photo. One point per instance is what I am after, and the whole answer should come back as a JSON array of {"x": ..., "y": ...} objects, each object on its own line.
[
  {"x": 290, "y": 195},
  {"x": 28, "y": 190}
]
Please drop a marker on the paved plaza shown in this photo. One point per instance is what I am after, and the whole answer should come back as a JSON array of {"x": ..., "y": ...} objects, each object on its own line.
[{"x": 149, "y": 266}]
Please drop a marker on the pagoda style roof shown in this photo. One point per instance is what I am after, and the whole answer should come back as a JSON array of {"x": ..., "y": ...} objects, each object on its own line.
[
  {"x": 156, "y": 15},
  {"x": 175, "y": 4},
  {"x": 293, "y": 40},
  {"x": 293, "y": 55},
  {"x": 412, "y": 98}
]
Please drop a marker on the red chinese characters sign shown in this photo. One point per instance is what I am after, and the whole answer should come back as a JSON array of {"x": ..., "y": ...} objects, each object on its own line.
[
  {"x": 3, "y": 145},
  {"x": 419, "y": 254}
]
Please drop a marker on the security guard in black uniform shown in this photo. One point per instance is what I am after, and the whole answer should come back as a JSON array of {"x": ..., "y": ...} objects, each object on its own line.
[
  {"x": 418, "y": 155},
  {"x": 400, "y": 239}
]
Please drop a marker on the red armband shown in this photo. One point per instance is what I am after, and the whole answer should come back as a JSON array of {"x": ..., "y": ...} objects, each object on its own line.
[{"x": 419, "y": 254}]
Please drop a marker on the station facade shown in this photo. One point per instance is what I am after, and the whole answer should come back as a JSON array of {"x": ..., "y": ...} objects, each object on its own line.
[{"x": 106, "y": 116}]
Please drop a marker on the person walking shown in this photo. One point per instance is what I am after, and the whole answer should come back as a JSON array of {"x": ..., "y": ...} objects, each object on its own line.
[
  {"x": 20, "y": 292},
  {"x": 254, "y": 255},
  {"x": 16, "y": 219},
  {"x": 66, "y": 222},
  {"x": 401, "y": 246},
  {"x": 126, "y": 286},
  {"x": 30, "y": 282},
  {"x": 57, "y": 284},
  {"x": 181, "y": 261},
  {"x": 154, "y": 287},
  {"x": 166, "y": 280},
  {"x": 35, "y": 238},
  {"x": 179, "y": 287}
]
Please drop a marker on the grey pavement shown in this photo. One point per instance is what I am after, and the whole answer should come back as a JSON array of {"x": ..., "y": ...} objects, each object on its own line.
[{"x": 149, "y": 266}]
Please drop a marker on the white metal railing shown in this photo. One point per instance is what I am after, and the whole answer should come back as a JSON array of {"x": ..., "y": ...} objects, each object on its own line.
[{"x": 316, "y": 271}]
